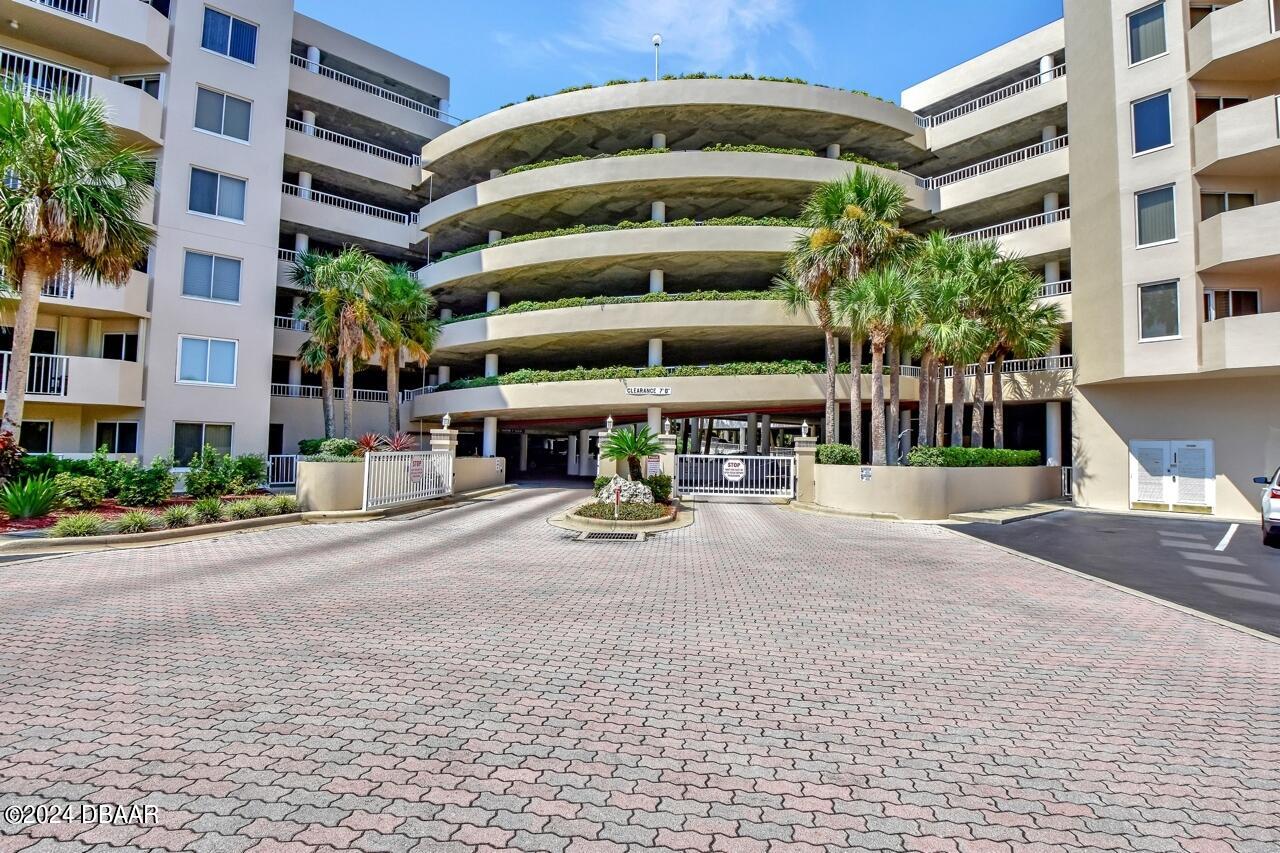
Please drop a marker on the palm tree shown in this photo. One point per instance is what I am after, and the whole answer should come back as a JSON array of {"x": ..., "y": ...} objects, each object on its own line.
[
  {"x": 1025, "y": 327},
  {"x": 70, "y": 200},
  {"x": 631, "y": 446},
  {"x": 886, "y": 301},
  {"x": 404, "y": 328},
  {"x": 936, "y": 266},
  {"x": 318, "y": 314},
  {"x": 993, "y": 281},
  {"x": 316, "y": 357}
]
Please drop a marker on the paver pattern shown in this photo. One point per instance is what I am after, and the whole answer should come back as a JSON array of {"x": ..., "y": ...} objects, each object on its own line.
[{"x": 765, "y": 680}]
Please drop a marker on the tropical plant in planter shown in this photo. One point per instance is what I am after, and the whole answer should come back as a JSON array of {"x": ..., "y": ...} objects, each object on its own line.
[{"x": 631, "y": 447}]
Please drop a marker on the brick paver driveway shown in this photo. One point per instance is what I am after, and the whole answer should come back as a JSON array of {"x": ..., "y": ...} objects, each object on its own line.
[{"x": 764, "y": 680}]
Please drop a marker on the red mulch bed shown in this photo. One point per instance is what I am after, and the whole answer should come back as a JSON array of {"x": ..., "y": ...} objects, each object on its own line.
[{"x": 109, "y": 509}]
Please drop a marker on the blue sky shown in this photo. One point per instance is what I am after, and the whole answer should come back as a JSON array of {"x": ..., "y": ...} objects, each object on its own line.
[{"x": 498, "y": 51}]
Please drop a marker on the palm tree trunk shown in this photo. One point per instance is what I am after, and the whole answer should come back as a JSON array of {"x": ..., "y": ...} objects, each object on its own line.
[
  {"x": 877, "y": 403},
  {"x": 348, "y": 393},
  {"x": 392, "y": 363},
  {"x": 957, "y": 406},
  {"x": 940, "y": 394},
  {"x": 997, "y": 401},
  {"x": 895, "y": 401},
  {"x": 706, "y": 437},
  {"x": 326, "y": 397},
  {"x": 924, "y": 435},
  {"x": 831, "y": 422},
  {"x": 978, "y": 417},
  {"x": 855, "y": 394},
  {"x": 24, "y": 329}
]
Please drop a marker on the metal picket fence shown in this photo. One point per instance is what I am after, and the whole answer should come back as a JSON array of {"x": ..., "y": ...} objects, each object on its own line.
[{"x": 397, "y": 478}]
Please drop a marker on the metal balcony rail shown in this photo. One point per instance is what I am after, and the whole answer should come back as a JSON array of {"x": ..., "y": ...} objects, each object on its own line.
[
  {"x": 35, "y": 77},
  {"x": 282, "y": 469},
  {"x": 87, "y": 9},
  {"x": 407, "y": 396},
  {"x": 315, "y": 392},
  {"x": 1012, "y": 227},
  {"x": 370, "y": 88},
  {"x": 1055, "y": 288},
  {"x": 307, "y": 194},
  {"x": 990, "y": 98},
  {"x": 60, "y": 286},
  {"x": 47, "y": 374},
  {"x": 1020, "y": 365},
  {"x": 994, "y": 163},
  {"x": 291, "y": 323},
  {"x": 351, "y": 142},
  {"x": 287, "y": 255}
]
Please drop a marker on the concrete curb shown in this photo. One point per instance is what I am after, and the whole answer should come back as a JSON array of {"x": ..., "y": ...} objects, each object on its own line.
[{"x": 568, "y": 521}]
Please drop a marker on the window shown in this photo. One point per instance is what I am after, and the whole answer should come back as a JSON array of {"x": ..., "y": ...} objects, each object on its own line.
[
  {"x": 149, "y": 83},
  {"x": 1158, "y": 311},
  {"x": 120, "y": 346},
  {"x": 1230, "y": 303},
  {"x": 1207, "y": 105},
  {"x": 211, "y": 277},
  {"x": 224, "y": 115},
  {"x": 229, "y": 36},
  {"x": 37, "y": 436},
  {"x": 1146, "y": 34},
  {"x": 44, "y": 342},
  {"x": 116, "y": 436},
  {"x": 1211, "y": 204},
  {"x": 1157, "y": 222},
  {"x": 190, "y": 438},
  {"x": 1151, "y": 126},
  {"x": 206, "y": 361},
  {"x": 216, "y": 195}
]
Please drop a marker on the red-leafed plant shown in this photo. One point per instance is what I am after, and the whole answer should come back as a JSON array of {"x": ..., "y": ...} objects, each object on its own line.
[
  {"x": 370, "y": 442},
  {"x": 401, "y": 442},
  {"x": 10, "y": 456}
]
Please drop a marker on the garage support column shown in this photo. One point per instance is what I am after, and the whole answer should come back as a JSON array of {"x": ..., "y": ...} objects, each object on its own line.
[
  {"x": 304, "y": 185},
  {"x": 446, "y": 313},
  {"x": 495, "y": 173},
  {"x": 489, "y": 442},
  {"x": 571, "y": 458},
  {"x": 492, "y": 300},
  {"x": 524, "y": 450},
  {"x": 444, "y": 373},
  {"x": 309, "y": 122},
  {"x": 655, "y": 352},
  {"x": 766, "y": 436},
  {"x": 659, "y": 140},
  {"x": 657, "y": 281},
  {"x": 753, "y": 434},
  {"x": 313, "y": 59},
  {"x": 653, "y": 414},
  {"x": 695, "y": 442},
  {"x": 1050, "y": 202},
  {"x": 491, "y": 364},
  {"x": 494, "y": 236},
  {"x": 1046, "y": 68},
  {"x": 658, "y": 211},
  {"x": 301, "y": 243},
  {"x": 1052, "y": 271},
  {"x": 584, "y": 454},
  {"x": 1049, "y": 132},
  {"x": 295, "y": 373},
  {"x": 833, "y": 151},
  {"x": 1053, "y": 425}
]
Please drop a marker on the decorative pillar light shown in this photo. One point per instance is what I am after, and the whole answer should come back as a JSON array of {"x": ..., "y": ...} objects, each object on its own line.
[
  {"x": 608, "y": 424},
  {"x": 445, "y": 421},
  {"x": 804, "y": 429},
  {"x": 666, "y": 426}
]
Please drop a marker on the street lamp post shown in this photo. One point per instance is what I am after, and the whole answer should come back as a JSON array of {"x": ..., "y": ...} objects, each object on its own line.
[{"x": 657, "y": 46}]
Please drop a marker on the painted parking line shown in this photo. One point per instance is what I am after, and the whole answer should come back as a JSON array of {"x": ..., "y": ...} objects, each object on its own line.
[{"x": 1226, "y": 540}]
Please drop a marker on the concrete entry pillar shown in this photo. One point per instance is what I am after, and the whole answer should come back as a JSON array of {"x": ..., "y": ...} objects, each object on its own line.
[
  {"x": 659, "y": 140},
  {"x": 657, "y": 281},
  {"x": 571, "y": 458},
  {"x": 653, "y": 415},
  {"x": 445, "y": 439},
  {"x": 494, "y": 236},
  {"x": 668, "y": 453},
  {"x": 655, "y": 352},
  {"x": 584, "y": 454},
  {"x": 492, "y": 300},
  {"x": 658, "y": 211},
  {"x": 833, "y": 151},
  {"x": 806, "y": 451},
  {"x": 491, "y": 364},
  {"x": 444, "y": 373},
  {"x": 524, "y": 450},
  {"x": 766, "y": 436},
  {"x": 489, "y": 438}
]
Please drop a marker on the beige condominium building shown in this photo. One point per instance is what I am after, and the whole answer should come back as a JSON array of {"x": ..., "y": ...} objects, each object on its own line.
[{"x": 1128, "y": 152}]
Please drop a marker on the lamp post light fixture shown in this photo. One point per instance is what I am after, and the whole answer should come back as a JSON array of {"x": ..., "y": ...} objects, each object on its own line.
[
  {"x": 657, "y": 46},
  {"x": 666, "y": 426},
  {"x": 445, "y": 421},
  {"x": 608, "y": 424},
  {"x": 804, "y": 429}
]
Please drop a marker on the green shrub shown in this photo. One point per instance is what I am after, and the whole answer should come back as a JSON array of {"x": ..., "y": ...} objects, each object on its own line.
[
  {"x": 329, "y": 457},
  {"x": 179, "y": 515},
  {"x": 262, "y": 507},
  {"x": 600, "y": 483},
  {"x": 760, "y": 149},
  {"x": 240, "y": 510},
  {"x": 660, "y": 485},
  {"x": 577, "y": 374},
  {"x": 341, "y": 447},
  {"x": 285, "y": 504},
  {"x": 80, "y": 492},
  {"x": 309, "y": 446},
  {"x": 137, "y": 521},
  {"x": 838, "y": 454},
  {"x": 214, "y": 474},
  {"x": 971, "y": 457},
  {"x": 103, "y": 467},
  {"x": 526, "y": 306},
  {"x": 851, "y": 157},
  {"x": 146, "y": 486},
  {"x": 30, "y": 498},
  {"x": 578, "y": 158},
  {"x": 209, "y": 510},
  {"x": 626, "y": 511},
  {"x": 80, "y": 524},
  {"x": 39, "y": 465}
]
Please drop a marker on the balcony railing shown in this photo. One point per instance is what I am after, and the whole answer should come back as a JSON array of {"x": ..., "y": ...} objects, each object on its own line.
[
  {"x": 35, "y": 77},
  {"x": 352, "y": 143},
  {"x": 370, "y": 88},
  {"x": 1020, "y": 365},
  {"x": 60, "y": 286},
  {"x": 315, "y": 392},
  {"x": 293, "y": 324},
  {"x": 994, "y": 163},
  {"x": 1012, "y": 227},
  {"x": 307, "y": 194},
  {"x": 46, "y": 376},
  {"x": 1055, "y": 288},
  {"x": 1037, "y": 79},
  {"x": 87, "y": 9}
]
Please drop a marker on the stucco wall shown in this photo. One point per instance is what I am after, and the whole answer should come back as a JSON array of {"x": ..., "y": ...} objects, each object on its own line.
[
  {"x": 330, "y": 486},
  {"x": 924, "y": 493},
  {"x": 478, "y": 472}
]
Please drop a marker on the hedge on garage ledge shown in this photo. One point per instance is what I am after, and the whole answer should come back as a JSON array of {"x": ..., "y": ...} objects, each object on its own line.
[
  {"x": 580, "y": 374},
  {"x": 972, "y": 457},
  {"x": 848, "y": 157},
  {"x": 578, "y": 158},
  {"x": 702, "y": 75},
  {"x": 592, "y": 301},
  {"x": 775, "y": 221},
  {"x": 838, "y": 454}
]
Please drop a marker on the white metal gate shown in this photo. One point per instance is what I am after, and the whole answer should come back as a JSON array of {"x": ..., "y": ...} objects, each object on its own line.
[
  {"x": 700, "y": 475},
  {"x": 282, "y": 470},
  {"x": 396, "y": 478}
]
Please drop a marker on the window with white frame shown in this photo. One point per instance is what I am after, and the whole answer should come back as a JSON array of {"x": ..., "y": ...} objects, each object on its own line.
[
  {"x": 206, "y": 276},
  {"x": 37, "y": 436},
  {"x": 189, "y": 438},
  {"x": 206, "y": 361},
  {"x": 1158, "y": 311},
  {"x": 215, "y": 194},
  {"x": 120, "y": 346},
  {"x": 1211, "y": 203},
  {"x": 229, "y": 36},
  {"x": 1157, "y": 219},
  {"x": 149, "y": 83},
  {"x": 116, "y": 436},
  {"x": 1152, "y": 123},
  {"x": 1146, "y": 33},
  {"x": 223, "y": 114},
  {"x": 1221, "y": 303}
]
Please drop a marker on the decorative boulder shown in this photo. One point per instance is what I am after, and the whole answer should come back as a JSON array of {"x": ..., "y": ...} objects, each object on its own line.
[{"x": 632, "y": 492}]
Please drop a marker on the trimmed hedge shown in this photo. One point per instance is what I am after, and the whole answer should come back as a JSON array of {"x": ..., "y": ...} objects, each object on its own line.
[
  {"x": 971, "y": 457},
  {"x": 527, "y": 306},
  {"x": 838, "y": 454},
  {"x": 851, "y": 157},
  {"x": 702, "y": 75},
  {"x": 627, "y": 225},
  {"x": 626, "y": 512},
  {"x": 580, "y": 374},
  {"x": 578, "y": 158},
  {"x": 760, "y": 149}
]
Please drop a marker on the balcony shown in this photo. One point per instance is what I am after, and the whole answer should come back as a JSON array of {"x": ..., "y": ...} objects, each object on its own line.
[
  {"x": 344, "y": 217},
  {"x": 108, "y": 32},
  {"x": 315, "y": 392},
  {"x": 1243, "y": 140},
  {"x": 1236, "y": 42},
  {"x": 351, "y": 155},
  {"x": 1241, "y": 241},
  {"x": 78, "y": 380},
  {"x": 330, "y": 86},
  {"x": 71, "y": 295},
  {"x": 1031, "y": 236},
  {"x": 1038, "y": 93},
  {"x": 1026, "y": 379},
  {"x": 1250, "y": 342},
  {"x": 1058, "y": 293},
  {"x": 290, "y": 335},
  {"x": 998, "y": 177}
]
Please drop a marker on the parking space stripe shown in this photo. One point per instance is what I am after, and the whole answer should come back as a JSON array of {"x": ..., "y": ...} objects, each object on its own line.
[{"x": 1226, "y": 539}]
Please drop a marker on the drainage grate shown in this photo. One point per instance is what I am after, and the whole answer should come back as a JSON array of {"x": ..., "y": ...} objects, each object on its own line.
[{"x": 611, "y": 537}]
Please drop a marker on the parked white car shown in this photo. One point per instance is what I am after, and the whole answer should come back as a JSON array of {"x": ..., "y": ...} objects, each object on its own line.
[{"x": 1270, "y": 508}]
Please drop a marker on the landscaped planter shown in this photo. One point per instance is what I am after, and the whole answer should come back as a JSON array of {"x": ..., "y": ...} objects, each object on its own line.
[
  {"x": 931, "y": 493},
  {"x": 330, "y": 486}
]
